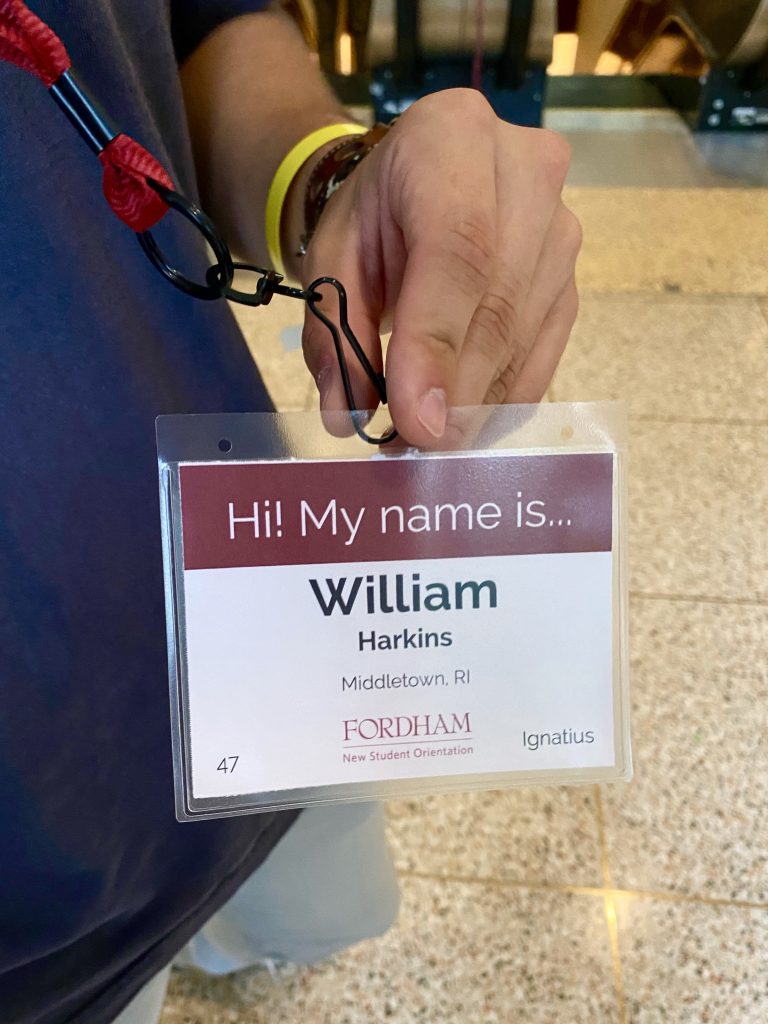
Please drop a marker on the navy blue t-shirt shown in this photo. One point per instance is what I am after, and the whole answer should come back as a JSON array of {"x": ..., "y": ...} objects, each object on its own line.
[{"x": 99, "y": 885}]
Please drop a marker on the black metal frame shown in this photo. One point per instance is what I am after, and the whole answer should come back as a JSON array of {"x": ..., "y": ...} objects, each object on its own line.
[
  {"x": 513, "y": 85},
  {"x": 723, "y": 100}
]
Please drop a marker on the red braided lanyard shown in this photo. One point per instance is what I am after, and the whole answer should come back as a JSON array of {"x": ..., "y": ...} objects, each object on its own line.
[
  {"x": 30, "y": 44},
  {"x": 140, "y": 192}
]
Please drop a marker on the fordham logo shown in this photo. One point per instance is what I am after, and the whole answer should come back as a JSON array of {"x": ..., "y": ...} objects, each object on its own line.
[{"x": 405, "y": 726}]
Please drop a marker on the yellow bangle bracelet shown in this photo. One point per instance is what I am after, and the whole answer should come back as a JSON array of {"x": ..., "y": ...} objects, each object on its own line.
[{"x": 284, "y": 176}]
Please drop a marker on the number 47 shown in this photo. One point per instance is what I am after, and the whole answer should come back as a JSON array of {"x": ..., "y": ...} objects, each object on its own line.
[{"x": 228, "y": 764}]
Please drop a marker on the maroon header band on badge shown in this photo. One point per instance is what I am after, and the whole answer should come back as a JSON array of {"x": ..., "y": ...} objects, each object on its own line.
[{"x": 288, "y": 513}]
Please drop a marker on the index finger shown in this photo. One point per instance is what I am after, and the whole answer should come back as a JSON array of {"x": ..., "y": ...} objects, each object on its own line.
[{"x": 449, "y": 235}]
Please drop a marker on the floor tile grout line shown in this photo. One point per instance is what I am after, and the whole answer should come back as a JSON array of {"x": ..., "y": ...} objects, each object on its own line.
[
  {"x": 609, "y": 910},
  {"x": 644, "y": 294},
  {"x": 593, "y": 891},
  {"x": 605, "y": 866},
  {"x": 738, "y": 602},
  {"x": 692, "y": 421},
  {"x": 609, "y": 907},
  {"x": 700, "y": 901},
  {"x": 697, "y": 421}
]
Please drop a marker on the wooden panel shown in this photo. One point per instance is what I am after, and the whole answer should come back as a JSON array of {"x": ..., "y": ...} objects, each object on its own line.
[
  {"x": 448, "y": 26},
  {"x": 597, "y": 20}
]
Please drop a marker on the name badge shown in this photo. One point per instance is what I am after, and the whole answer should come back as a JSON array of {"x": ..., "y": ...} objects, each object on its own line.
[{"x": 352, "y": 626}]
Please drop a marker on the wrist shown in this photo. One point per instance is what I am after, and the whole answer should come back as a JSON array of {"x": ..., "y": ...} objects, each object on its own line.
[
  {"x": 319, "y": 178},
  {"x": 289, "y": 168},
  {"x": 293, "y": 220}
]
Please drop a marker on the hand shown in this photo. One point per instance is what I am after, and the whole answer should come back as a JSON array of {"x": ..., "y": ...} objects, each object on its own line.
[{"x": 454, "y": 231}]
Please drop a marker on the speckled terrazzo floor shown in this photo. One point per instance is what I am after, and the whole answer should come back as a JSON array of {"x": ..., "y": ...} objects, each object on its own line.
[{"x": 630, "y": 904}]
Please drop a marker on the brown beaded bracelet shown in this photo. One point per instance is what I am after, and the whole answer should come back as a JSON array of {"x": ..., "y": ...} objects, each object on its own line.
[{"x": 329, "y": 173}]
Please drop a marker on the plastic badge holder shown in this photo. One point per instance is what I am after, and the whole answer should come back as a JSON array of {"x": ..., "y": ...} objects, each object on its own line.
[{"x": 347, "y": 623}]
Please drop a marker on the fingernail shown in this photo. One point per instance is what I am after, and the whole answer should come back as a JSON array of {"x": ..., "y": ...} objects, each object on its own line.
[
  {"x": 361, "y": 417},
  {"x": 433, "y": 412},
  {"x": 324, "y": 381}
]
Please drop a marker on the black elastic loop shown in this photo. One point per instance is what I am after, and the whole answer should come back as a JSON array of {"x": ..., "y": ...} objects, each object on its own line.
[
  {"x": 219, "y": 276},
  {"x": 377, "y": 379}
]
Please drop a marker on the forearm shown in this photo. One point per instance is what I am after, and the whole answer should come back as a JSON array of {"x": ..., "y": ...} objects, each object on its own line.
[{"x": 252, "y": 91}]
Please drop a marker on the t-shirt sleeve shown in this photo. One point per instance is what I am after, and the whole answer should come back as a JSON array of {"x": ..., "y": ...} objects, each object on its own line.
[{"x": 193, "y": 20}]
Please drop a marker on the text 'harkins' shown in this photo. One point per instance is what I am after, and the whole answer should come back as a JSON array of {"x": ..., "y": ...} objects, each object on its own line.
[{"x": 397, "y": 594}]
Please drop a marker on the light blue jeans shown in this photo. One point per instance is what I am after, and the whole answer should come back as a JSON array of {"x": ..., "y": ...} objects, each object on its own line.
[{"x": 329, "y": 882}]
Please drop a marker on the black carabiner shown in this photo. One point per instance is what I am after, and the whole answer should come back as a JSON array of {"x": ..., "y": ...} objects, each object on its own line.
[{"x": 268, "y": 284}]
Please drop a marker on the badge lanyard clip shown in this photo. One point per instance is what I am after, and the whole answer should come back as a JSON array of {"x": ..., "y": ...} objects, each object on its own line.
[
  {"x": 140, "y": 193},
  {"x": 218, "y": 284}
]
